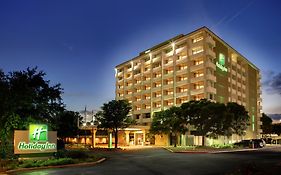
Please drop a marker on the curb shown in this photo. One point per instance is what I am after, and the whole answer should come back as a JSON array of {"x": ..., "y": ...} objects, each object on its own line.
[
  {"x": 210, "y": 152},
  {"x": 58, "y": 166}
]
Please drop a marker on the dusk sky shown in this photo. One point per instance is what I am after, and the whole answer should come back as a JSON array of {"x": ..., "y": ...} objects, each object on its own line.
[{"x": 78, "y": 43}]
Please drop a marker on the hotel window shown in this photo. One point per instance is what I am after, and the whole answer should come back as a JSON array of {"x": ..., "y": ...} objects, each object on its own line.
[
  {"x": 138, "y": 108},
  {"x": 146, "y": 59},
  {"x": 146, "y": 69},
  {"x": 138, "y": 99},
  {"x": 129, "y": 92},
  {"x": 198, "y": 74},
  {"x": 120, "y": 78},
  {"x": 147, "y": 107},
  {"x": 199, "y": 86},
  {"x": 170, "y": 103},
  {"x": 158, "y": 105},
  {"x": 158, "y": 95},
  {"x": 138, "y": 81},
  {"x": 170, "y": 82},
  {"x": 183, "y": 78},
  {"x": 182, "y": 67},
  {"x": 158, "y": 75},
  {"x": 120, "y": 86},
  {"x": 183, "y": 89},
  {"x": 169, "y": 71},
  {"x": 195, "y": 40},
  {"x": 197, "y": 50},
  {"x": 198, "y": 62},
  {"x": 170, "y": 92},
  {"x": 138, "y": 90},
  {"x": 157, "y": 84},
  {"x": 129, "y": 84},
  {"x": 147, "y": 97},
  {"x": 147, "y": 87},
  {"x": 147, "y": 78}
]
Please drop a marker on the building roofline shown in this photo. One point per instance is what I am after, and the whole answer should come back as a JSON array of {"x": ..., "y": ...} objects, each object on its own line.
[{"x": 182, "y": 35}]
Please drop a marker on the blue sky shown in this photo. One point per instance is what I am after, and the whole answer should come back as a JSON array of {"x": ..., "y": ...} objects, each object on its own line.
[{"x": 78, "y": 43}]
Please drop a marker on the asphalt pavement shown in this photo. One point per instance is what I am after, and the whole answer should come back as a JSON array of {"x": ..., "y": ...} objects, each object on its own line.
[{"x": 158, "y": 161}]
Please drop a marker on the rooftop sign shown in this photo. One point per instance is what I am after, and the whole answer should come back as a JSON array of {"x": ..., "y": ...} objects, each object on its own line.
[{"x": 221, "y": 63}]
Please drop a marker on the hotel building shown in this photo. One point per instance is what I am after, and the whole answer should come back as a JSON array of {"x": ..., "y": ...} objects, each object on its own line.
[{"x": 189, "y": 67}]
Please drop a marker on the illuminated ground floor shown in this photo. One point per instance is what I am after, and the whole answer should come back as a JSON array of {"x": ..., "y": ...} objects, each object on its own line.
[{"x": 140, "y": 136}]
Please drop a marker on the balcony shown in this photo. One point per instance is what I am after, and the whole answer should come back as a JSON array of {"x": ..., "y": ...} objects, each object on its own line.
[
  {"x": 211, "y": 90},
  {"x": 155, "y": 89},
  {"x": 157, "y": 78},
  {"x": 211, "y": 53},
  {"x": 156, "y": 69},
  {"x": 129, "y": 70},
  {"x": 196, "y": 67},
  {"x": 169, "y": 64},
  {"x": 181, "y": 60},
  {"x": 147, "y": 72},
  {"x": 181, "y": 72},
  {"x": 181, "y": 94},
  {"x": 197, "y": 44},
  {"x": 169, "y": 54},
  {"x": 197, "y": 91},
  {"x": 168, "y": 75},
  {"x": 146, "y": 82},
  {"x": 156, "y": 109},
  {"x": 137, "y": 75},
  {"x": 146, "y": 110},
  {"x": 211, "y": 77},
  {"x": 156, "y": 99},
  {"x": 146, "y": 101},
  {"x": 210, "y": 65},
  {"x": 158, "y": 58},
  {"x": 168, "y": 97},
  {"x": 146, "y": 91},
  {"x": 210, "y": 41},
  {"x": 146, "y": 120},
  {"x": 147, "y": 62},
  {"x": 182, "y": 82},
  {"x": 197, "y": 79},
  {"x": 137, "y": 66},
  {"x": 178, "y": 50},
  {"x": 168, "y": 86},
  {"x": 196, "y": 56}
]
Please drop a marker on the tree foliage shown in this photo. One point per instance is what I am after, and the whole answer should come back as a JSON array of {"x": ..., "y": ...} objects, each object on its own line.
[
  {"x": 26, "y": 97},
  {"x": 114, "y": 116},
  {"x": 206, "y": 117},
  {"x": 266, "y": 124},
  {"x": 170, "y": 121}
]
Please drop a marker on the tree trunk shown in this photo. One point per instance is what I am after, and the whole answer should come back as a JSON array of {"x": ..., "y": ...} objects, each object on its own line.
[
  {"x": 176, "y": 139},
  {"x": 203, "y": 140},
  {"x": 116, "y": 138}
]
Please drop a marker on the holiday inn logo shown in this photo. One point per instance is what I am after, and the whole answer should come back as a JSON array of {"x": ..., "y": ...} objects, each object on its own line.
[
  {"x": 221, "y": 63},
  {"x": 38, "y": 133}
]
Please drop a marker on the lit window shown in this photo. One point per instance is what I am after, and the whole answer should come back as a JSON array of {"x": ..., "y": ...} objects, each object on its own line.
[
  {"x": 170, "y": 82},
  {"x": 195, "y": 40},
  {"x": 170, "y": 103},
  {"x": 158, "y": 95},
  {"x": 197, "y": 50},
  {"x": 199, "y": 62},
  {"x": 138, "y": 108},
  {"x": 170, "y": 92},
  {"x": 158, "y": 105}
]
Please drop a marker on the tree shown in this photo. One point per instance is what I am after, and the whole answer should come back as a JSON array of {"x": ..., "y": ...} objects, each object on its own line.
[
  {"x": 266, "y": 124},
  {"x": 276, "y": 129},
  {"x": 114, "y": 116},
  {"x": 170, "y": 121},
  {"x": 26, "y": 97},
  {"x": 197, "y": 114},
  {"x": 239, "y": 117},
  {"x": 67, "y": 124}
]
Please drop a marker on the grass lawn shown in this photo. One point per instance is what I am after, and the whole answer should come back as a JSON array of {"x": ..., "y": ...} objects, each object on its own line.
[{"x": 62, "y": 157}]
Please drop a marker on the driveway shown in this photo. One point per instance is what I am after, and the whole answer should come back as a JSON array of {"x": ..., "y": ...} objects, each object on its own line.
[{"x": 157, "y": 161}]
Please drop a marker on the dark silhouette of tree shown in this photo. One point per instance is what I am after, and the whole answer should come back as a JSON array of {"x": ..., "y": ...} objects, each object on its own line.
[
  {"x": 114, "y": 116},
  {"x": 266, "y": 124},
  {"x": 26, "y": 97},
  {"x": 170, "y": 121}
]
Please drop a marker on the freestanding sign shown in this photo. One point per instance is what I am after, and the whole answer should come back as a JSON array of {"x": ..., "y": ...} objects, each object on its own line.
[{"x": 36, "y": 140}]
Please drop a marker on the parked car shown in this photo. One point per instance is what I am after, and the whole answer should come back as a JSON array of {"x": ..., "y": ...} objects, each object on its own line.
[{"x": 256, "y": 143}]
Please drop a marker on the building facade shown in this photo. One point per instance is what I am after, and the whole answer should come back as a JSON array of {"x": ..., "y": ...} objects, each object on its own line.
[{"x": 189, "y": 67}]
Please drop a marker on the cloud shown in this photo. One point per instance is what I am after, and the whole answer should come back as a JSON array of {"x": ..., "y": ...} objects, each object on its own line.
[{"x": 272, "y": 83}]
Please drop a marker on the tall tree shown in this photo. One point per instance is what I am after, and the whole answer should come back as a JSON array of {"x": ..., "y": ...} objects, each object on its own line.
[
  {"x": 114, "y": 116},
  {"x": 67, "y": 124},
  {"x": 266, "y": 124},
  {"x": 240, "y": 118},
  {"x": 26, "y": 97},
  {"x": 170, "y": 121}
]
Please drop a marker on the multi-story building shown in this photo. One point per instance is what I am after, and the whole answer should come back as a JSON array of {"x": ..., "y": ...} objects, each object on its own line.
[{"x": 189, "y": 67}]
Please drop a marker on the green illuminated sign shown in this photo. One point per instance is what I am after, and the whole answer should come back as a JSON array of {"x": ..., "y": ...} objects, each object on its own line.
[
  {"x": 221, "y": 63},
  {"x": 38, "y": 133}
]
